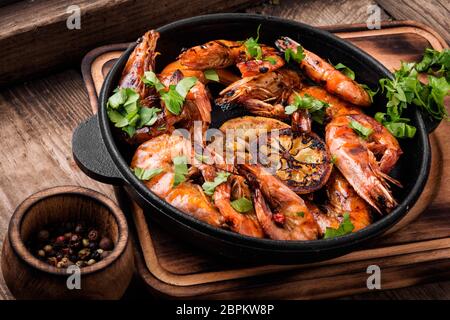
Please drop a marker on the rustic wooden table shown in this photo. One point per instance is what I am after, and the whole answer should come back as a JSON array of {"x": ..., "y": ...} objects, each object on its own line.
[{"x": 38, "y": 116}]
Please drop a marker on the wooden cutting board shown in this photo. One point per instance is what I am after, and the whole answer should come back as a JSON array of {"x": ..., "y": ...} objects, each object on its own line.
[{"x": 418, "y": 250}]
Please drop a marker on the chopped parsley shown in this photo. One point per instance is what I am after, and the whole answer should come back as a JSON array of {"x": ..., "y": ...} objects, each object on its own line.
[
  {"x": 180, "y": 170},
  {"x": 405, "y": 88},
  {"x": 313, "y": 105},
  {"x": 361, "y": 130},
  {"x": 174, "y": 96},
  {"x": 146, "y": 174},
  {"x": 297, "y": 56},
  {"x": 125, "y": 111},
  {"x": 345, "y": 70},
  {"x": 252, "y": 46},
  {"x": 242, "y": 205},
  {"x": 211, "y": 74},
  {"x": 210, "y": 186},
  {"x": 344, "y": 228}
]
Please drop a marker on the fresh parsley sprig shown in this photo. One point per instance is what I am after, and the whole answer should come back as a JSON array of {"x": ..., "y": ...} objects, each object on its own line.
[
  {"x": 297, "y": 56},
  {"x": 125, "y": 111},
  {"x": 344, "y": 228},
  {"x": 345, "y": 70},
  {"x": 314, "y": 106},
  {"x": 405, "y": 88},
  {"x": 252, "y": 46},
  {"x": 174, "y": 96}
]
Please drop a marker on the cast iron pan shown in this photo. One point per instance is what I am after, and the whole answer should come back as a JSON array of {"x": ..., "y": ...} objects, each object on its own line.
[{"x": 100, "y": 157}]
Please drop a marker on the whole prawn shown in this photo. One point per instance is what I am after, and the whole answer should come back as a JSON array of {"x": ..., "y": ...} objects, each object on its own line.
[
  {"x": 220, "y": 54},
  {"x": 324, "y": 73},
  {"x": 281, "y": 212}
]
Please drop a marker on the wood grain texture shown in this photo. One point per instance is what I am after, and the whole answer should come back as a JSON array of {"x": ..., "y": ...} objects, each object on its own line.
[
  {"x": 174, "y": 268},
  {"x": 41, "y": 25},
  {"x": 435, "y": 13},
  {"x": 37, "y": 120},
  {"x": 319, "y": 13}
]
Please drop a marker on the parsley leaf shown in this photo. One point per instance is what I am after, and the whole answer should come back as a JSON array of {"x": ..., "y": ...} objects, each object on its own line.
[
  {"x": 180, "y": 170},
  {"x": 297, "y": 56},
  {"x": 174, "y": 96},
  {"x": 345, "y": 70},
  {"x": 313, "y": 105},
  {"x": 344, "y": 228},
  {"x": 360, "y": 129},
  {"x": 211, "y": 74},
  {"x": 405, "y": 88},
  {"x": 271, "y": 60},
  {"x": 147, "y": 174},
  {"x": 301, "y": 214},
  {"x": 125, "y": 111},
  {"x": 210, "y": 186},
  {"x": 242, "y": 205},
  {"x": 252, "y": 47}
]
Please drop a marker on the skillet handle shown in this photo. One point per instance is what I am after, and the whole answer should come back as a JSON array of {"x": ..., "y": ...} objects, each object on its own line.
[
  {"x": 430, "y": 123},
  {"x": 91, "y": 155}
]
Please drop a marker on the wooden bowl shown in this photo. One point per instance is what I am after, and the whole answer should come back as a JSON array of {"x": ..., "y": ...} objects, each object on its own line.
[{"x": 30, "y": 278}]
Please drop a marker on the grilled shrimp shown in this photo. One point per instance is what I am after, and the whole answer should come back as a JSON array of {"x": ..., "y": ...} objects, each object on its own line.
[
  {"x": 158, "y": 153},
  {"x": 225, "y": 77},
  {"x": 235, "y": 188},
  {"x": 342, "y": 198},
  {"x": 322, "y": 72},
  {"x": 257, "y": 92},
  {"x": 142, "y": 59},
  {"x": 284, "y": 216},
  {"x": 381, "y": 142},
  {"x": 356, "y": 160},
  {"x": 220, "y": 54}
]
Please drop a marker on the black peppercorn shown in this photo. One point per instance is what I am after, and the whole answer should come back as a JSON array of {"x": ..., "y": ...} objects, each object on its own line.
[
  {"x": 96, "y": 256},
  {"x": 93, "y": 245},
  {"x": 43, "y": 235}
]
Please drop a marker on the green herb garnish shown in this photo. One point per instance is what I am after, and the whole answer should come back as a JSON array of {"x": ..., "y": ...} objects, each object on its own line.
[
  {"x": 361, "y": 130},
  {"x": 242, "y": 205},
  {"x": 125, "y": 112},
  {"x": 210, "y": 186},
  {"x": 211, "y": 74},
  {"x": 180, "y": 170},
  {"x": 252, "y": 46},
  {"x": 173, "y": 97},
  {"x": 333, "y": 159},
  {"x": 146, "y": 174},
  {"x": 313, "y": 105},
  {"x": 297, "y": 56},
  {"x": 301, "y": 214},
  {"x": 344, "y": 228},
  {"x": 345, "y": 70},
  {"x": 405, "y": 88},
  {"x": 271, "y": 60}
]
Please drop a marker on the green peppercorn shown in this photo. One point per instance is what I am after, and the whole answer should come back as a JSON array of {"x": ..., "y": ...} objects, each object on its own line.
[
  {"x": 48, "y": 248},
  {"x": 41, "y": 253}
]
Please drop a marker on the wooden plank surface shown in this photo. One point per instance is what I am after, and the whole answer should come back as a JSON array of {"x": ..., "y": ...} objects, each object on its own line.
[
  {"x": 434, "y": 13},
  {"x": 37, "y": 119},
  {"x": 34, "y": 37}
]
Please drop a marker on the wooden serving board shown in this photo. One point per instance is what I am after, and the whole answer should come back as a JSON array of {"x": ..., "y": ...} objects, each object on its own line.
[{"x": 418, "y": 250}]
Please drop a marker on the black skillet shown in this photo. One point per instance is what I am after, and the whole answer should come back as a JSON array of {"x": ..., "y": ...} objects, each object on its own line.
[{"x": 100, "y": 157}]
